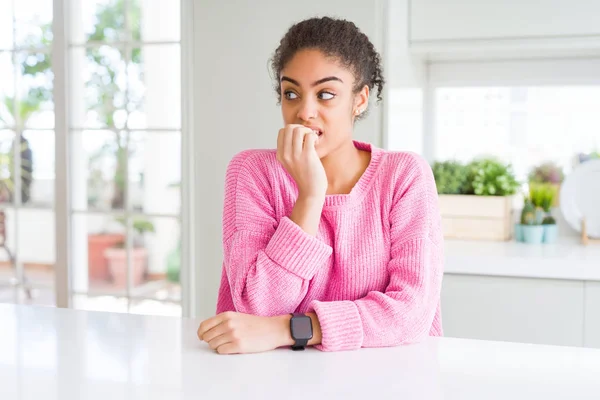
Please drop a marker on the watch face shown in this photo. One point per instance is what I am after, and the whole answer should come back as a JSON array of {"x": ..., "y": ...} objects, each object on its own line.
[{"x": 301, "y": 328}]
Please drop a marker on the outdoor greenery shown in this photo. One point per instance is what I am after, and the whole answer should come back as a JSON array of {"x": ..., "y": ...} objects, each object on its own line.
[
  {"x": 112, "y": 98},
  {"x": 16, "y": 112}
]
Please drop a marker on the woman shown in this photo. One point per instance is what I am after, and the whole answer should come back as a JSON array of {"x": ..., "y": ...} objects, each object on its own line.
[{"x": 328, "y": 242}]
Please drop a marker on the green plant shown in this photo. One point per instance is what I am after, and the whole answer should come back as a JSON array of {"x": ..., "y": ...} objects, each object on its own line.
[
  {"x": 450, "y": 177},
  {"x": 490, "y": 177},
  {"x": 7, "y": 172},
  {"x": 548, "y": 172},
  {"x": 140, "y": 226},
  {"x": 106, "y": 84},
  {"x": 542, "y": 195},
  {"x": 528, "y": 214},
  {"x": 17, "y": 110}
]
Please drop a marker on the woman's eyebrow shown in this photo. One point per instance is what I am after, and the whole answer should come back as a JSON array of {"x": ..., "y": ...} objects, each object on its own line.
[{"x": 320, "y": 81}]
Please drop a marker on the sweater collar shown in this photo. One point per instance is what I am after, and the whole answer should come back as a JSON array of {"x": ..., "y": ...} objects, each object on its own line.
[{"x": 361, "y": 187}]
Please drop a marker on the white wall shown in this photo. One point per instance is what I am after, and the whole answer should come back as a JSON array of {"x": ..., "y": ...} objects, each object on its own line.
[
  {"x": 407, "y": 84},
  {"x": 235, "y": 105},
  {"x": 434, "y": 20}
]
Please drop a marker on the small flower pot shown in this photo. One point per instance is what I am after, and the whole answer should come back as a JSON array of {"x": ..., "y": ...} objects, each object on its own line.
[
  {"x": 117, "y": 265},
  {"x": 518, "y": 232},
  {"x": 539, "y": 215},
  {"x": 533, "y": 234},
  {"x": 550, "y": 233}
]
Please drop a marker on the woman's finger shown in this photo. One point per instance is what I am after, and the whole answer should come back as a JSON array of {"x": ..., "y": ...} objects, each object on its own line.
[
  {"x": 228, "y": 348},
  {"x": 280, "y": 141},
  {"x": 210, "y": 323},
  {"x": 218, "y": 330},
  {"x": 288, "y": 142},
  {"x": 298, "y": 141},
  {"x": 310, "y": 142},
  {"x": 220, "y": 340}
]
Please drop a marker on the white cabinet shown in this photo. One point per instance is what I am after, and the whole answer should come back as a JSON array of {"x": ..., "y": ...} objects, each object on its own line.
[
  {"x": 592, "y": 314},
  {"x": 541, "y": 311},
  {"x": 434, "y": 20}
]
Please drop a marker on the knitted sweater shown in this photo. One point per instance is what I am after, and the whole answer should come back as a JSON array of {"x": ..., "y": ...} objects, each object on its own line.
[{"x": 373, "y": 273}]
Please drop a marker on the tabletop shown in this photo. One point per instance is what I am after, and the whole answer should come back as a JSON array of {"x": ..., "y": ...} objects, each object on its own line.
[{"x": 51, "y": 353}]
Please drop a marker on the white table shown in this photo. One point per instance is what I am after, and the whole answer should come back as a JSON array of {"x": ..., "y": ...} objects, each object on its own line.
[{"x": 48, "y": 353}]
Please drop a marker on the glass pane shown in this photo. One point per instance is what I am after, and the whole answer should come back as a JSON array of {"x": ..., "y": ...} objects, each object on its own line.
[
  {"x": 35, "y": 105},
  {"x": 6, "y": 24},
  {"x": 8, "y": 294},
  {"x": 36, "y": 252},
  {"x": 33, "y": 23},
  {"x": 155, "y": 258},
  {"x": 100, "y": 86},
  {"x": 155, "y": 102},
  {"x": 98, "y": 165},
  {"x": 94, "y": 237},
  {"x": 38, "y": 166},
  {"x": 7, "y": 165},
  {"x": 155, "y": 172},
  {"x": 27, "y": 238},
  {"x": 522, "y": 125},
  {"x": 160, "y": 20},
  {"x": 98, "y": 20},
  {"x": 7, "y": 89}
]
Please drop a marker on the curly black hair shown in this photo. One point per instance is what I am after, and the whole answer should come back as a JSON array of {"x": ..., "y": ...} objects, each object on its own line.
[{"x": 337, "y": 38}]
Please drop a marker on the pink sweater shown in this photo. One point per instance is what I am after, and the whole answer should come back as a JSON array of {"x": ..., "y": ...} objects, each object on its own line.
[{"x": 372, "y": 275}]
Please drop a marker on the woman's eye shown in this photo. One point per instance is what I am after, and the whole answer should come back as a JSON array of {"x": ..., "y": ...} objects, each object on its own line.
[
  {"x": 326, "y": 96},
  {"x": 290, "y": 95}
]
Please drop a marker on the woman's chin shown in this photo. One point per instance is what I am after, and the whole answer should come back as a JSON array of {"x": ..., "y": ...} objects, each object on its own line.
[{"x": 321, "y": 152}]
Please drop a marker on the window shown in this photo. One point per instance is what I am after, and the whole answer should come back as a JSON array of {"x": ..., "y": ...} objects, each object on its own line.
[
  {"x": 125, "y": 136},
  {"x": 524, "y": 112},
  {"x": 123, "y": 96},
  {"x": 27, "y": 178},
  {"x": 524, "y": 125}
]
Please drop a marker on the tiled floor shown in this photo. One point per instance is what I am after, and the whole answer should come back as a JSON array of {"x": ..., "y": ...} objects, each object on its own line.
[{"x": 104, "y": 297}]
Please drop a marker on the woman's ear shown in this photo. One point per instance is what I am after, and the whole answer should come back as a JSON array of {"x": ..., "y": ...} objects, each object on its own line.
[{"x": 361, "y": 101}]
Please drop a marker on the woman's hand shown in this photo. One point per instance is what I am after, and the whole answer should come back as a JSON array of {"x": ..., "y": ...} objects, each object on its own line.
[
  {"x": 233, "y": 332},
  {"x": 297, "y": 153}
]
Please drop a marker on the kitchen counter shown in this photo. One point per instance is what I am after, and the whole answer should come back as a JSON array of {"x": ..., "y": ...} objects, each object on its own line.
[
  {"x": 567, "y": 259},
  {"x": 48, "y": 353}
]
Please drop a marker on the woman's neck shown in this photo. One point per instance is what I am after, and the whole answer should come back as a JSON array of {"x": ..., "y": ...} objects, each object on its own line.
[{"x": 344, "y": 167}]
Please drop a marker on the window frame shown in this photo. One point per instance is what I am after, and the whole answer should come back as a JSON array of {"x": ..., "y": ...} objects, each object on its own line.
[{"x": 61, "y": 51}]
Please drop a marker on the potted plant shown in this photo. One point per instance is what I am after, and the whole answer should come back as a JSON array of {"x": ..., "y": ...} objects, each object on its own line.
[
  {"x": 476, "y": 199},
  {"x": 98, "y": 192},
  {"x": 531, "y": 227},
  {"x": 116, "y": 255},
  {"x": 7, "y": 172},
  {"x": 536, "y": 216},
  {"x": 584, "y": 157},
  {"x": 543, "y": 196},
  {"x": 548, "y": 173},
  {"x": 450, "y": 177}
]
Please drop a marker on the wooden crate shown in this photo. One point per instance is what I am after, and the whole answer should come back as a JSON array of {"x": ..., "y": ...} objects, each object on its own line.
[{"x": 476, "y": 217}]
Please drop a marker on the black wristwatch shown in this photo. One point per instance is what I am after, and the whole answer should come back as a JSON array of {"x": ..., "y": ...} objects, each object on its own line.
[{"x": 301, "y": 330}]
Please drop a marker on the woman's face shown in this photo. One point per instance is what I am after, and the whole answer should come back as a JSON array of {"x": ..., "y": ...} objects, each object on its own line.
[{"x": 317, "y": 92}]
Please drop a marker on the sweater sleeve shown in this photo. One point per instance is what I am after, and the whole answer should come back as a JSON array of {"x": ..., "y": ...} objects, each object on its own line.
[
  {"x": 268, "y": 262},
  {"x": 405, "y": 311}
]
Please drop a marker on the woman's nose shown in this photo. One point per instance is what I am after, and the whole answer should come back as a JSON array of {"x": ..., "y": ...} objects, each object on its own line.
[{"x": 307, "y": 111}]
